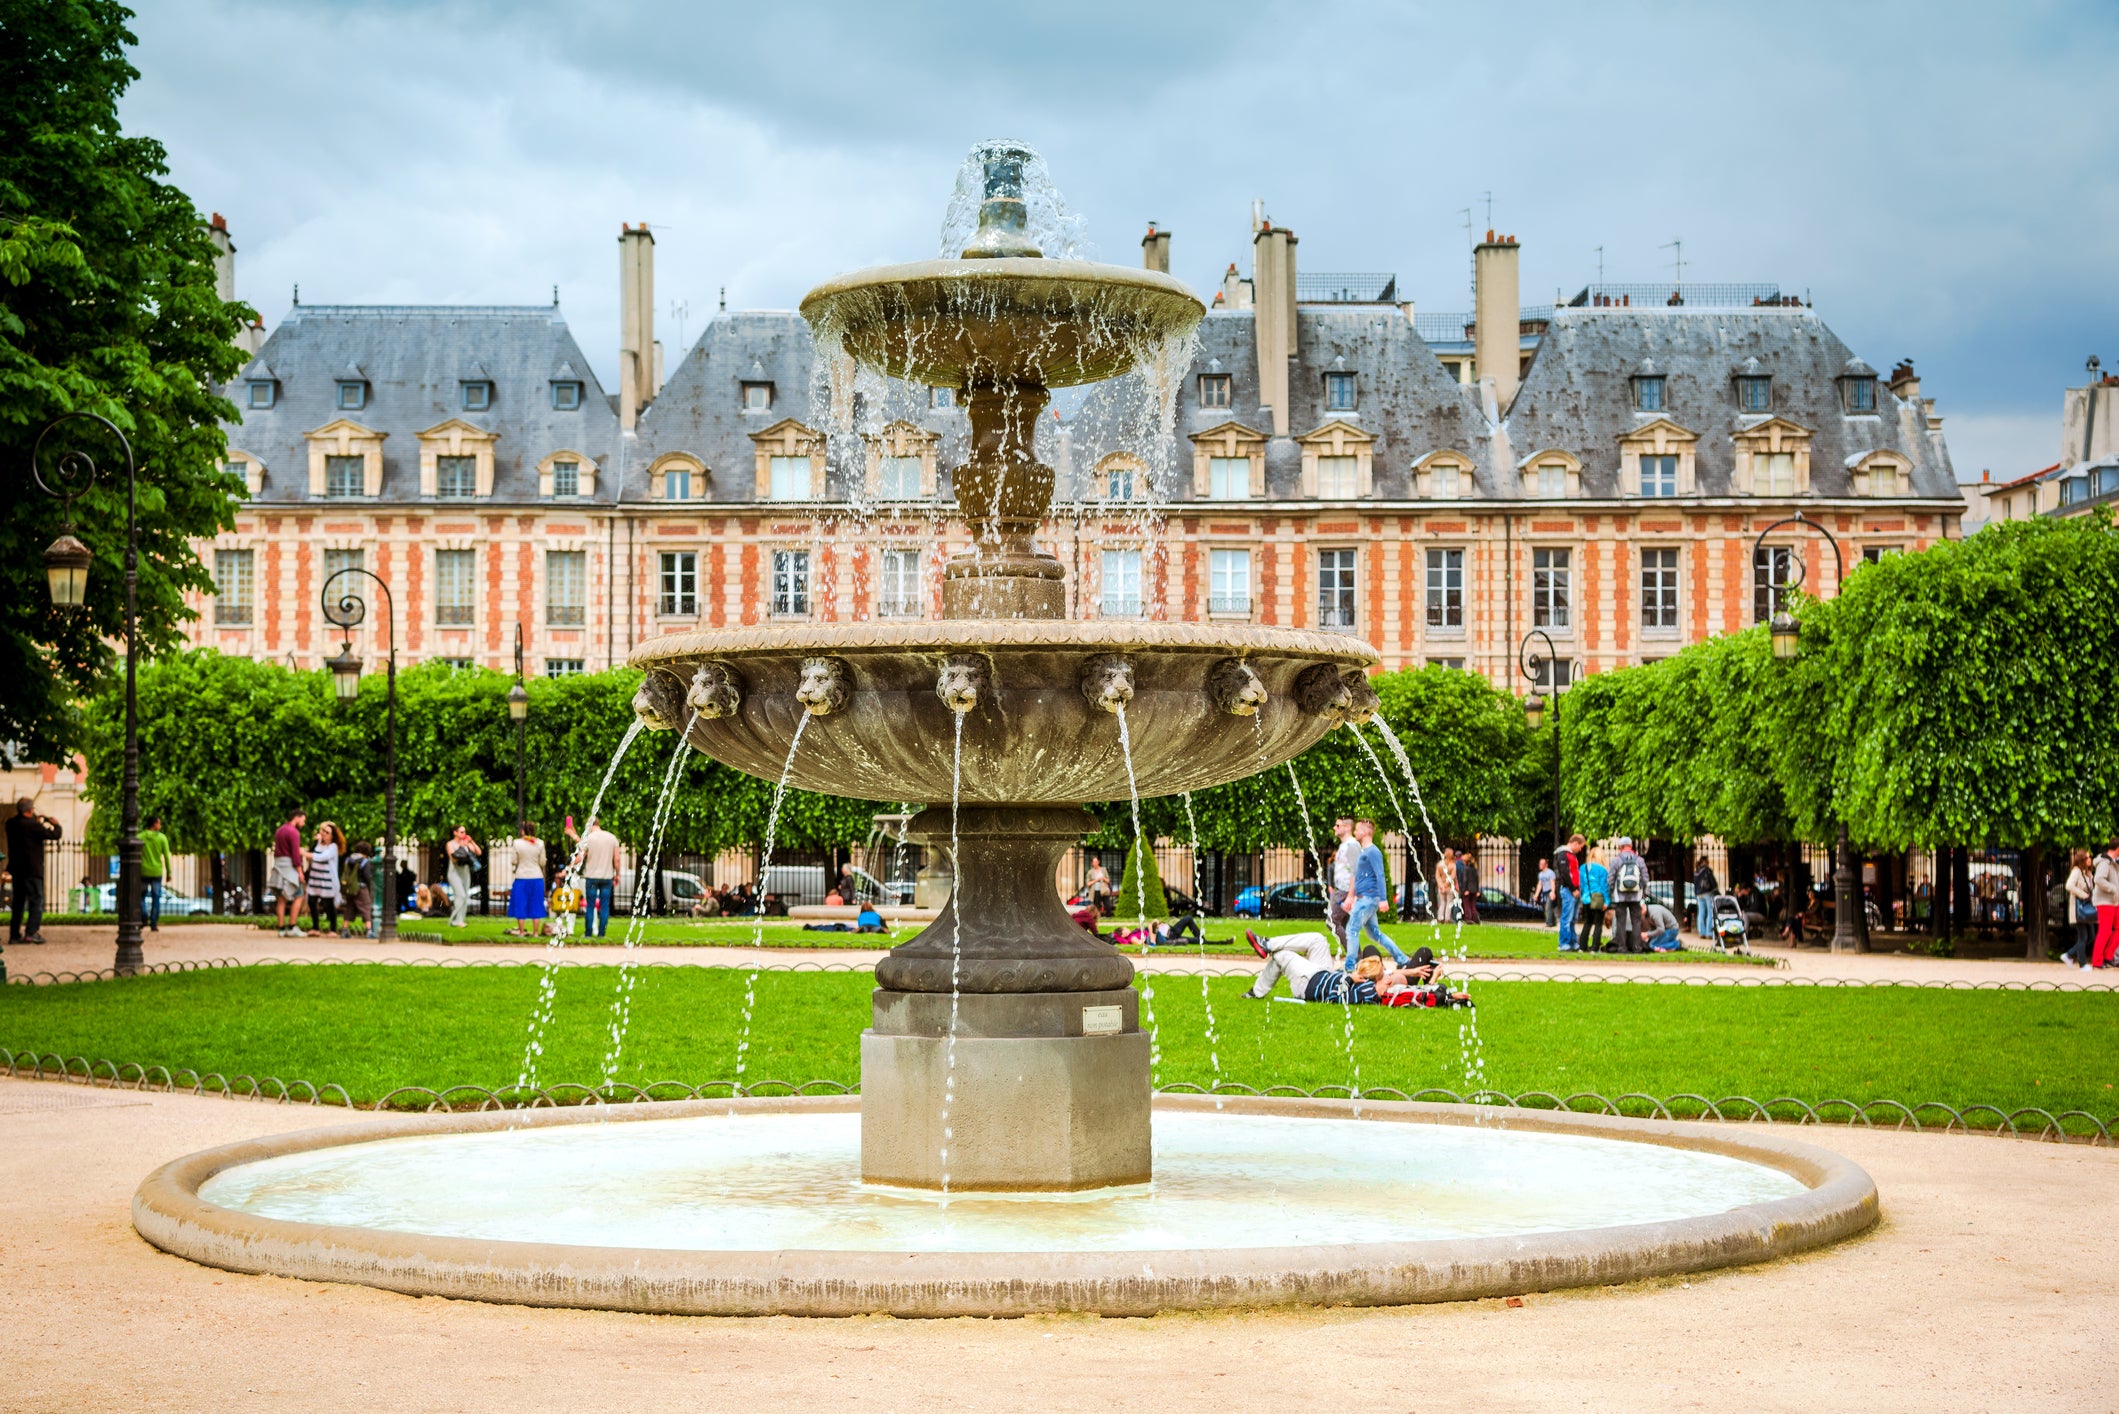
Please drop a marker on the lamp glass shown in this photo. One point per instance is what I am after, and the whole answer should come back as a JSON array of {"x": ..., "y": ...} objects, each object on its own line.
[
  {"x": 1534, "y": 710},
  {"x": 1787, "y": 636},
  {"x": 345, "y": 673},
  {"x": 518, "y": 703},
  {"x": 66, "y": 562}
]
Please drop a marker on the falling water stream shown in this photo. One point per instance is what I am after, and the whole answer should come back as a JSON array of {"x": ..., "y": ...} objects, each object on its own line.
[
  {"x": 1346, "y": 993},
  {"x": 757, "y": 932},
  {"x": 548, "y": 983},
  {"x": 1140, "y": 905},
  {"x": 643, "y": 867},
  {"x": 1206, "y": 997},
  {"x": 956, "y": 945}
]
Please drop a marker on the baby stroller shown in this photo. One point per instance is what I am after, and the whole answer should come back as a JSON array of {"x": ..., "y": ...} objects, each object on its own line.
[{"x": 1731, "y": 930}]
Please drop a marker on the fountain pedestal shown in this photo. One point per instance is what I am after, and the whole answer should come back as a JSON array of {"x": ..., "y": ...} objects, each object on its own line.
[{"x": 1051, "y": 1077}]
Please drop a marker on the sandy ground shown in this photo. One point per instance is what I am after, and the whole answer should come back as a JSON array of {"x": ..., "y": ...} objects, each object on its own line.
[
  {"x": 1989, "y": 1285},
  {"x": 82, "y": 948}
]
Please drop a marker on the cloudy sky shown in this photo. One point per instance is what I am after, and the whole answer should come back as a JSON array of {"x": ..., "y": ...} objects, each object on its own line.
[{"x": 1941, "y": 178}]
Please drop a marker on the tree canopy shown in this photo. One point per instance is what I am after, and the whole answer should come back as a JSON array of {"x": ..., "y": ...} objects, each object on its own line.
[{"x": 107, "y": 305}]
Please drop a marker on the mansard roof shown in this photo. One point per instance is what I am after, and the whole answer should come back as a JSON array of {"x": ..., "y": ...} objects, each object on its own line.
[
  {"x": 1578, "y": 394},
  {"x": 414, "y": 360}
]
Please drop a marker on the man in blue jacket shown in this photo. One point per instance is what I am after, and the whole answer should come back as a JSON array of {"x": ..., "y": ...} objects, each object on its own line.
[{"x": 1367, "y": 897}]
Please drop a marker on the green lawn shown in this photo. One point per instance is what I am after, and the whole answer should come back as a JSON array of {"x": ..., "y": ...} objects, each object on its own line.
[
  {"x": 372, "y": 1028},
  {"x": 1225, "y": 937}
]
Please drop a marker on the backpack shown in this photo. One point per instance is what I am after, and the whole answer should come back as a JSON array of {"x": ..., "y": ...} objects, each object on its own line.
[{"x": 1627, "y": 879}]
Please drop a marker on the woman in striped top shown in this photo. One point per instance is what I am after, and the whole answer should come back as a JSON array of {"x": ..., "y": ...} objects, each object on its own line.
[{"x": 322, "y": 882}]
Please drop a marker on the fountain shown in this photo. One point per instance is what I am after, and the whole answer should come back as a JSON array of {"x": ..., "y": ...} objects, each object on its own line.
[{"x": 1006, "y": 1155}]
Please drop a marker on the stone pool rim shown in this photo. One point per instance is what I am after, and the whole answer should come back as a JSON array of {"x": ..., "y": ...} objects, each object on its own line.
[{"x": 1840, "y": 1201}]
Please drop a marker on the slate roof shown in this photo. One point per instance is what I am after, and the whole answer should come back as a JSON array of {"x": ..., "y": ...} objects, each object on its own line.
[{"x": 415, "y": 358}]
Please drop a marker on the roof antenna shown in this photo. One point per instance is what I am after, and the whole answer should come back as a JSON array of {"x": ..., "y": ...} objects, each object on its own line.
[
  {"x": 1600, "y": 269},
  {"x": 297, "y": 291},
  {"x": 555, "y": 296},
  {"x": 724, "y": 299},
  {"x": 678, "y": 309},
  {"x": 1678, "y": 260},
  {"x": 1471, "y": 254}
]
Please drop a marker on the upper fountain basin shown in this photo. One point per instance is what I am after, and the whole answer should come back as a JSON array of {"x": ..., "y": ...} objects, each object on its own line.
[
  {"x": 974, "y": 323},
  {"x": 1204, "y": 703}
]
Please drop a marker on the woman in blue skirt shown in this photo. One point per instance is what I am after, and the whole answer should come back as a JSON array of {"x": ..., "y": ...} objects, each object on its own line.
[{"x": 526, "y": 896}]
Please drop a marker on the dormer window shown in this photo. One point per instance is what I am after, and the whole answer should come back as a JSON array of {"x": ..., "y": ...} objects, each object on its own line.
[
  {"x": 1648, "y": 392},
  {"x": 1552, "y": 481},
  {"x": 264, "y": 392},
  {"x": 1861, "y": 394},
  {"x": 757, "y": 397},
  {"x": 566, "y": 477},
  {"x": 566, "y": 394},
  {"x": 1754, "y": 393},
  {"x": 1339, "y": 392},
  {"x": 1119, "y": 484},
  {"x": 941, "y": 397},
  {"x": 478, "y": 394},
  {"x": 352, "y": 394},
  {"x": 1213, "y": 390}
]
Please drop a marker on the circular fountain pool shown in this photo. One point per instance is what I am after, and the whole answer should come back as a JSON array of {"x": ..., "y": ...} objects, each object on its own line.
[{"x": 757, "y": 1207}]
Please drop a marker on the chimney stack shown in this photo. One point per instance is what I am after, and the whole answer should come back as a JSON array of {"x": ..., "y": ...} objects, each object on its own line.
[
  {"x": 253, "y": 338},
  {"x": 1497, "y": 312},
  {"x": 1155, "y": 250},
  {"x": 639, "y": 367},
  {"x": 1273, "y": 287},
  {"x": 1905, "y": 383}
]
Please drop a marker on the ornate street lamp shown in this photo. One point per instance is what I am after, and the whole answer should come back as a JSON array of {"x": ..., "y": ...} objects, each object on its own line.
[
  {"x": 66, "y": 564},
  {"x": 519, "y": 714},
  {"x": 347, "y": 612},
  {"x": 1534, "y": 709},
  {"x": 1786, "y": 634}
]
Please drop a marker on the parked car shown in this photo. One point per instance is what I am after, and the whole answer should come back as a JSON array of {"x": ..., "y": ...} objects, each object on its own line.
[
  {"x": 1304, "y": 898},
  {"x": 681, "y": 890},
  {"x": 174, "y": 904},
  {"x": 1180, "y": 903},
  {"x": 1501, "y": 906},
  {"x": 1249, "y": 903}
]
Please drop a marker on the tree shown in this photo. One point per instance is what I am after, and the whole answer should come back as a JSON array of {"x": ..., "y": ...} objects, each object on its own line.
[
  {"x": 107, "y": 305},
  {"x": 1140, "y": 887}
]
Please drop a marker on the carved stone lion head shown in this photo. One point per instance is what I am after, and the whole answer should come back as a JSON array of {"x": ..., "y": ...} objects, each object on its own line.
[
  {"x": 1362, "y": 701},
  {"x": 660, "y": 701},
  {"x": 825, "y": 686},
  {"x": 962, "y": 679},
  {"x": 1322, "y": 692},
  {"x": 1234, "y": 688},
  {"x": 1107, "y": 681},
  {"x": 716, "y": 691}
]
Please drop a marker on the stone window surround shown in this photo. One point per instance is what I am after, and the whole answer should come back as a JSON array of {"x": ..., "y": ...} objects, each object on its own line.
[
  {"x": 770, "y": 552},
  {"x": 585, "y": 476},
  {"x": 343, "y": 437},
  {"x": 1528, "y": 468},
  {"x": 898, "y": 439},
  {"x": 1424, "y": 480},
  {"x": 1121, "y": 461},
  {"x": 1860, "y": 467},
  {"x": 455, "y": 438},
  {"x": 1251, "y": 550},
  {"x": 1093, "y": 571},
  {"x": 1640, "y": 563},
  {"x": 1228, "y": 439},
  {"x": 787, "y": 438},
  {"x": 541, "y": 587},
  {"x": 1452, "y": 633},
  {"x": 248, "y": 467},
  {"x": 1659, "y": 438},
  {"x": 1773, "y": 434},
  {"x": 668, "y": 462},
  {"x": 1339, "y": 439}
]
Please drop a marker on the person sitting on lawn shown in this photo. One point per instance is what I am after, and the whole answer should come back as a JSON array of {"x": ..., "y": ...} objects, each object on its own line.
[
  {"x": 868, "y": 920},
  {"x": 1662, "y": 928}
]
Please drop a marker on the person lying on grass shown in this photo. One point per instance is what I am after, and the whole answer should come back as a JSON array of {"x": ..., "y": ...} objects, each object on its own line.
[
  {"x": 1304, "y": 961},
  {"x": 1169, "y": 934}
]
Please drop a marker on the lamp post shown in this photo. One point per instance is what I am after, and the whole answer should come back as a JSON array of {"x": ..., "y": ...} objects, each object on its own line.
[
  {"x": 66, "y": 565},
  {"x": 1534, "y": 710},
  {"x": 347, "y": 612},
  {"x": 519, "y": 713},
  {"x": 1786, "y": 633}
]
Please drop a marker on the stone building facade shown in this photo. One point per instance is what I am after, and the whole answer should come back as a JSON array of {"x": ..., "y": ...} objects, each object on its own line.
[{"x": 1597, "y": 470}]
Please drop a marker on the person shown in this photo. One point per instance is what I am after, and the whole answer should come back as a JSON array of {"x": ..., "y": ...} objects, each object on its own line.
[
  {"x": 1568, "y": 866},
  {"x": 1704, "y": 888},
  {"x": 2081, "y": 911},
  {"x": 1662, "y": 928},
  {"x": 1166, "y": 934},
  {"x": 1596, "y": 897},
  {"x": 1369, "y": 892},
  {"x": 464, "y": 853},
  {"x": 596, "y": 856},
  {"x": 868, "y": 920},
  {"x": 1468, "y": 885},
  {"x": 1629, "y": 890},
  {"x": 1446, "y": 887},
  {"x": 1548, "y": 894},
  {"x": 526, "y": 895},
  {"x": 284, "y": 883},
  {"x": 2104, "y": 894},
  {"x": 323, "y": 890},
  {"x": 408, "y": 890},
  {"x": 1345, "y": 855},
  {"x": 360, "y": 892},
  {"x": 834, "y": 900},
  {"x": 1099, "y": 887},
  {"x": 27, "y": 834},
  {"x": 154, "y": 867},
  {"x": 1304, "y": 962}
]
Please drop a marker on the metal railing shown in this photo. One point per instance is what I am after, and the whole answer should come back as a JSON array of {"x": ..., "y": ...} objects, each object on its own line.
[
  {"x": 1346, "y": 287},
  {"x": 1690, "y": 294}
]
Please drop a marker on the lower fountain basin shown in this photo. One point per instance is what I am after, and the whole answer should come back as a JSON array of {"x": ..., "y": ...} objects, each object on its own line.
[{"x": 754, "y": 1207}]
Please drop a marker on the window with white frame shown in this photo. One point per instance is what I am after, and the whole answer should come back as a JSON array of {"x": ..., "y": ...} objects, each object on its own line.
[
  {"x": 790, "y": 582},
  {"x": 456, "y": 665},
  {"x": 1213, "y": 390},
  {"x": 1338, "y": 477},
  {"x": 564, "y": 667},
  {"x": 1552, "y": 480},
  {"x": 1874, "y": 554},
  {"x": 1551, "y": 588},
  {"x": 566, "y": 585},
  {"x": 1882, "y": 480},
  {"x": 1551, "y": 674},
  {"x": 1335, "y": 589},
  {"x": 788, "y": 479},
  {"x": 1444, "y": 483},
  {"x": 1338, "y": 392},
  {"x": 1228, "y": 581},
  {"x": 677, "y": 483},
  {"x": 455, "y": 586},
  {"x": 1445, "y": 589},
  {"x": 941, "y": 397},
  {"x": 336, "y": 561},
  {"x": 757, "y": 397},
  {"x": 345, "y": 476},
  {"x": 898, "y": 585},
  {"x": 1228, "y": 478},
  {"x": 234, "y": 587},
  {"x": 1659, "y": 474},
  {"x": 1772, "y": 579},
  {"x": 1659, "y": 589},
  {"x": 1455, "y": 664},
  {"x": 1118, "y": 596},
  {"x": 897, "y": 479},
  {"x": 1121, "y": 483},
  {"x": 566, "y": 478},
  {"x": 456, "y": 478},
  {"x": 680, "y": 584},
  {"x": 1773, "y": 473}
]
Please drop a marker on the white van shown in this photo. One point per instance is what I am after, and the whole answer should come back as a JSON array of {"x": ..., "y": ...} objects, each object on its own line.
[{"x": 679, "y": 892}]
